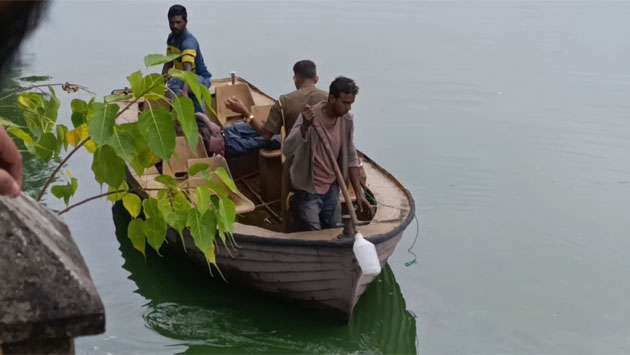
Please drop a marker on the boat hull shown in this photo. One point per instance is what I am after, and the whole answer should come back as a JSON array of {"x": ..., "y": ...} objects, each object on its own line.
[{"x": 324, "y": 276}]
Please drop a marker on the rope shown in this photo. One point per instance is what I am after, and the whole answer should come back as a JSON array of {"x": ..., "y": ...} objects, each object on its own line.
[{"x": 415, "y": 239}]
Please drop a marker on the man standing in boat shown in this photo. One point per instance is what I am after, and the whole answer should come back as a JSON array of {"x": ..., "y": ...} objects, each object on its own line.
[
  {"x": 288, "y": 107},
  {"x": 180, "y": 41},
  {"x": 316, "y": 202}
]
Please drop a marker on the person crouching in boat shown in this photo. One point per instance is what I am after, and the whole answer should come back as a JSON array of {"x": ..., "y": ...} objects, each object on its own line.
[
  {"x": 283, "y": 113},
  {"x": 180, "y": 41},
  {"x": 316, "y": 201}
]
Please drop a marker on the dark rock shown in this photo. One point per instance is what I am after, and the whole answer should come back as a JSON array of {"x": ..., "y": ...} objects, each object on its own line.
[{"x": 45, "y": 288}]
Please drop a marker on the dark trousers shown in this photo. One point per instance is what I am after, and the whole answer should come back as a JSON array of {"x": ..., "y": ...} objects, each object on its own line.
[
  {"x": 241, "y": 138},
  {"x": 317, "y": 211}
]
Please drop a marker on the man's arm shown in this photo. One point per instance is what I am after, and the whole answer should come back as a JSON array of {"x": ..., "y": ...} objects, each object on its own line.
[
  {"x": 355, "y": 171},
  {"x": 234, "y": 104},
  {"x": 296, "y": 138},
  {"x": 355, "y": 180}
]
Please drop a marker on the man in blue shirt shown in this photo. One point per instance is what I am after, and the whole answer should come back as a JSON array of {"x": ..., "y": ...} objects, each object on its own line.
[{"x": 180, "y": 41}]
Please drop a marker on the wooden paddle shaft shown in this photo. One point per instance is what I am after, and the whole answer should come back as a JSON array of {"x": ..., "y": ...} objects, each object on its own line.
[{"x": 340, "y": 179}]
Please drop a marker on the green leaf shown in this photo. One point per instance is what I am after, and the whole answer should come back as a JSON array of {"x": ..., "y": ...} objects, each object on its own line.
[
  {"x": 226, "y": 214},
  {"x": 175, "y": 209},
  {"x": 52, "y": 107},
  {"x": 6, "y": 123},
  {"x": 198, "y": 168},
  {"x": 167, "y": 181},
  {"x": 154, "y": 87},
  {"x": 108, "y": 167},
  {"x": 136, "y": 82},
  {"x": 32, "y": 101},
  {"x": 131, "y": 146},
  {"x": 77, "y": 135},
  {"x": 133, "y": 204},
  {"x": 36, "y": 78},
  {"x": 203, "y": 199},
  {"x": 20, "y": 134},
  {"x": 157, "y": 59},
  {"x": 155, "y": 227},
  {"x": 34, "y": 123},
  {"x": 203, "y": 228},
  {"x": 226, "y": 179},
  {"x": 33, "y": 108},
  {"x": 158, "y": 128},
  {"x": 79, "y": 106},
  {"x": 185, "y": 112},
  {"x": 229, "y": 214},
  {"x": 65, "y": 191},
  {"x": 150, "y": 208},
  {"x": 62, "y": 131},
  {"x": 118, "y": 196},
  {"x": 78, "y": 119},
  {"x": 101, "y": 122},
  {"x": 47, "y": 146},
  {"x": 135, "y": 232},
  {"x": 219, "y": 188},
  {"x": 123, "y": 143},
  {"x": 192, "y": 81}
]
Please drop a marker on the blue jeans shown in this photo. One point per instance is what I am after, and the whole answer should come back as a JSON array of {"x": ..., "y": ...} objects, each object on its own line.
[
  {"x": 317, "y": 211},
  {"x": 177, "y": 86},
  {"x": 241, "y": 138}
]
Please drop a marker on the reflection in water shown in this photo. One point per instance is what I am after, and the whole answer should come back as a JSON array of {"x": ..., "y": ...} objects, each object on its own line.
[
  {"x": 35, "y": 171},
  {"x": 208, "y": 315}
]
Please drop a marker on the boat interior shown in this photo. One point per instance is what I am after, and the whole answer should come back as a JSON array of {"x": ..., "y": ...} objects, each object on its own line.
[{"x": 262, "y": 176}]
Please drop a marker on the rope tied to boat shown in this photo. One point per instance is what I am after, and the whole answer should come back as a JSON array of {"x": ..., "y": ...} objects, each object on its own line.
[{"x": 415, "y": 239}]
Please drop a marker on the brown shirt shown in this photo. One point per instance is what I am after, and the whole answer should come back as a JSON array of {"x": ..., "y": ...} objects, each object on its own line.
[
  {"x": 293, "y": 105},
  {"x": 323, "y": 170}
]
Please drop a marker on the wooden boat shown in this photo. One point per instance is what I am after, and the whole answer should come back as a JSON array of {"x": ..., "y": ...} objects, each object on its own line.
[{"x": 316, "y": 268}]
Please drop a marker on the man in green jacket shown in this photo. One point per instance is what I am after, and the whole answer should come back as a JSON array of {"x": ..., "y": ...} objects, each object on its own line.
[{"x": 283, "y": 113}]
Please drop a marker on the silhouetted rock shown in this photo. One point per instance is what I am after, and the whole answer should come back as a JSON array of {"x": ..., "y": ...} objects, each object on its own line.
[{"x": 45, "y": 288}]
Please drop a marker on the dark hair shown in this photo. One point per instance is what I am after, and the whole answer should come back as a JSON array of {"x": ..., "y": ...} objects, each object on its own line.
[
  {"x": 18, "y": 19},
  {"x": 178, "y": 10},
  {"x": 305, "y": 69},
  {"x": 343, "y": 85}
]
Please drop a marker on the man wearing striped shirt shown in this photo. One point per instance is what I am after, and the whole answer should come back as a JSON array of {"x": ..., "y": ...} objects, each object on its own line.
[{"x": 180, "y": 41}]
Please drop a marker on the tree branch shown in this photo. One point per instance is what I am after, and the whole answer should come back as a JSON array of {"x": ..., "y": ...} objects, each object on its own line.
[
  {"x": 52, "y": 176},
  {"x": 101, "y": 195},
  {"x": 18, "y": 90},
  {"x": 90, "y": 199}
]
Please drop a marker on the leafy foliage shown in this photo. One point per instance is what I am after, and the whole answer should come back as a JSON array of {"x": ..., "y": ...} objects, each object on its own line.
[{"x": 205, "y": 211}]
